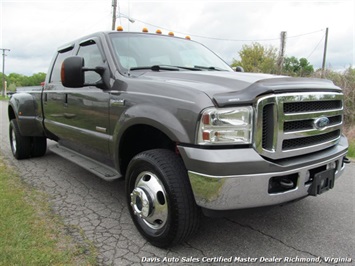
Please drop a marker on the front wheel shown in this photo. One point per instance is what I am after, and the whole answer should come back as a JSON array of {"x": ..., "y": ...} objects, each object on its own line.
[{"x": 160, "y": 198}]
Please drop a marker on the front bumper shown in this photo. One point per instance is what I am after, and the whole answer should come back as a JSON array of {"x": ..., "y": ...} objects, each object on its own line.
[{"x": 240, "y": 178}]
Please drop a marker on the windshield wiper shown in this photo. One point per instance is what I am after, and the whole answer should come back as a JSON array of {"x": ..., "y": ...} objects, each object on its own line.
[
  {"x": 156, "y": 68},
  {"x": 208, "y": 68},
  {"x": 174, "y": 68}
]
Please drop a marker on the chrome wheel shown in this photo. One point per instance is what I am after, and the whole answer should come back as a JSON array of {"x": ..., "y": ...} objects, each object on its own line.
[
  {"x": 13, "y": 141},
  {"x": 160, "y": 199},
  {"x": 148, "y": 200},
  {"x": 20, "y": 145}
]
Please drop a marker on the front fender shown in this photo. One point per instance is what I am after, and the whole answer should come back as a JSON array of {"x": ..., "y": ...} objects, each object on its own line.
[
  {"x": 169, "y": 122},
  {"x": 157, "y": 117},
  {"x": 24, "y": 108}
]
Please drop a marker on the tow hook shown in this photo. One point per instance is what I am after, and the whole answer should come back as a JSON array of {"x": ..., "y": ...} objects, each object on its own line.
[
  {"x": 279, "y": 184},
  {"x": 286, "y": 183},
  {"x": 346, "y": 160}
]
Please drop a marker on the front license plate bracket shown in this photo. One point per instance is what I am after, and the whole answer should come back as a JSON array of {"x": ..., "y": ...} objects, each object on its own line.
[{"x": 322, "y": 182}]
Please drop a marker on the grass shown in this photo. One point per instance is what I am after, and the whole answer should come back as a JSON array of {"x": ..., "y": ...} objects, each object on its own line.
[
  {"x": 3, "y": 98},
  {"x": 30, "y": 234},
  {"x": 350, "y": 134},
  {"x": 351, "y": 151}
]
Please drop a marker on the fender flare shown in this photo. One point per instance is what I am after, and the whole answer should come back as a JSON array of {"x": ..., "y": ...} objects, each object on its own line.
[
  {"x": 24, "y": 108},
  {"x": 153, "y": 116}
]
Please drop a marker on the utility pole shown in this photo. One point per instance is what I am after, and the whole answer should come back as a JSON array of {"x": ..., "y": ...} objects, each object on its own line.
[
  {"x": 114, "y": 7},
  {"x": 280, "y": 60},
  {"x": 3, "y": 70},
  {"x": 325, "y": 53}
]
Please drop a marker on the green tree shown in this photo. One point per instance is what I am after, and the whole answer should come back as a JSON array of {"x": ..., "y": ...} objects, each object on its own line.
[
  {"x": 1, "y": 85},
  {"x": 36, "y": 79},
  {"x": 18, "y": 80},
  {"x": 257, "y": 58},
  {"x": 297, "y": 67},
  {"x": 11, "y": 87}
]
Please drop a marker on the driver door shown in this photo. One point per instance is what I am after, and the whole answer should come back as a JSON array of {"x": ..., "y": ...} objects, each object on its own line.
[{"x": 87, "y": 109}]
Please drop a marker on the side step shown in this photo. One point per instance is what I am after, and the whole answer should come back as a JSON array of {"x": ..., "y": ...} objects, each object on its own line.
[{"x": 103, "y": 171}]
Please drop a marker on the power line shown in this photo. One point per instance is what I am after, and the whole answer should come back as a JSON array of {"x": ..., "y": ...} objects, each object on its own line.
[
  {"x": 316, "y": 47},
  {"x": 226, "y": 39}
]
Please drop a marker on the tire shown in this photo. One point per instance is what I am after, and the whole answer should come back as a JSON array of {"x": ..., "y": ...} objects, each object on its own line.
[
  {"x": 39, "y": 146},
  {"x": 20, "y": 145},
  {"x": 160, "y": 199}
]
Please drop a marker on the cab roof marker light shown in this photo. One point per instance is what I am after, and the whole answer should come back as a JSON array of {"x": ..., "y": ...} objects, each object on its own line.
[
  {"x": 171, "y": 33},
  {"x": 145, "y": 30},
  {"x": 158, "y": 31},
  {"x": 188, "y": 37},
  {"x": 119, "y": 28}
]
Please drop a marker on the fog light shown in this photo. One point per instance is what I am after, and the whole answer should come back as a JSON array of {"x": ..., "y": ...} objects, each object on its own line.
[
  {"x": 308, "y": 176},
  {"x": 332, "y": 165}
]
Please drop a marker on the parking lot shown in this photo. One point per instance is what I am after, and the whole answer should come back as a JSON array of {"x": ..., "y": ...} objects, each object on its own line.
[{"x": 314, "y": 230}]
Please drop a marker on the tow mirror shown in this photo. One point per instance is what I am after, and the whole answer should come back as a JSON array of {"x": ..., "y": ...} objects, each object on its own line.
[
  {"x": 239, "y": 69},
  {"x": 72, "y": 72}
]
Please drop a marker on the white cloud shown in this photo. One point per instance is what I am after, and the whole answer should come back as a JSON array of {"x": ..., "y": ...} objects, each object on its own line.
[{"x": 34, "y": 29}]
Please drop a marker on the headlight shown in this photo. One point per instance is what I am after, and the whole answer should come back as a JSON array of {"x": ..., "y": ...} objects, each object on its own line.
[{"x": 226, "y": 126}]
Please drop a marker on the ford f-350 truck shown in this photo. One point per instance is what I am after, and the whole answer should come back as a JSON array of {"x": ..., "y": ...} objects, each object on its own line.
[{"x": 185, "y": 131}]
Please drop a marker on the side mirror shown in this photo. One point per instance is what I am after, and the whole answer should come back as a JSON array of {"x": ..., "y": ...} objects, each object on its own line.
[
  {"x": 239, "y": 69},
  {"x": 72, "y": 72}
]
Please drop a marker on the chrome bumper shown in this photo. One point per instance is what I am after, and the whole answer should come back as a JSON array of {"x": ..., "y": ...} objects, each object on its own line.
[{"x": 248, "y": 190}]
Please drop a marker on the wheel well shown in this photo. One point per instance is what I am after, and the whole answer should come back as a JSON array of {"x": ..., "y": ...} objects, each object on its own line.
[{"x": 141, "y": 138}]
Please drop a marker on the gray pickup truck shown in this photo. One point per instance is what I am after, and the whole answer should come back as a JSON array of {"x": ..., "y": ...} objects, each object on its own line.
[{"x": 188, "y": 134}]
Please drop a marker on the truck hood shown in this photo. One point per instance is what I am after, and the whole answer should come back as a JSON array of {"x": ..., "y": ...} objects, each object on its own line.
[{"x": 235, "y": 88}]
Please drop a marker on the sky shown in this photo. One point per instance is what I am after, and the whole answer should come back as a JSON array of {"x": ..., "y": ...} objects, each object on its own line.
[{"x": 34, "y": 29}]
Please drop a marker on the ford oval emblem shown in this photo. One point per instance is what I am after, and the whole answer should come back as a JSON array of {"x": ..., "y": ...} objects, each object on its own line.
[{"x": 322, "y": 122}]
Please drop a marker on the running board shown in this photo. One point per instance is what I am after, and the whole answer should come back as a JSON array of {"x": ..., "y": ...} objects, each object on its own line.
[{"x": 103, "y": 171}]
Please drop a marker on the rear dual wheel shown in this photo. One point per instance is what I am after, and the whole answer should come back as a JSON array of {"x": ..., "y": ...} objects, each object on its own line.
[
  {"x": 24, "y": 147},
  {"x": 160, "y": 198}
]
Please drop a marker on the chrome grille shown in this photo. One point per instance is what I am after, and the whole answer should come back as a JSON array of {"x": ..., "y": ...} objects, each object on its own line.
[
  {"x": 311, "y": 106},
  {"x": 297, "y": 123}
]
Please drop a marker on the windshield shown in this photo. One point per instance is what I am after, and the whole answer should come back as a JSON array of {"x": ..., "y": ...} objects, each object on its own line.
[{"x": 140, "y": 51}]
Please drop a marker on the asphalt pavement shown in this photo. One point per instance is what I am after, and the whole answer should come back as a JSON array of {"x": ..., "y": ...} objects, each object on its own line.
[{"x": 316, "y": 230}]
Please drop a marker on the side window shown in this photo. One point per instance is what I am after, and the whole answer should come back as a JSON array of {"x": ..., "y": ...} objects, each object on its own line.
[
  {"x": 55, "y": 76},
  {"x": 92, "y": 58}
]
